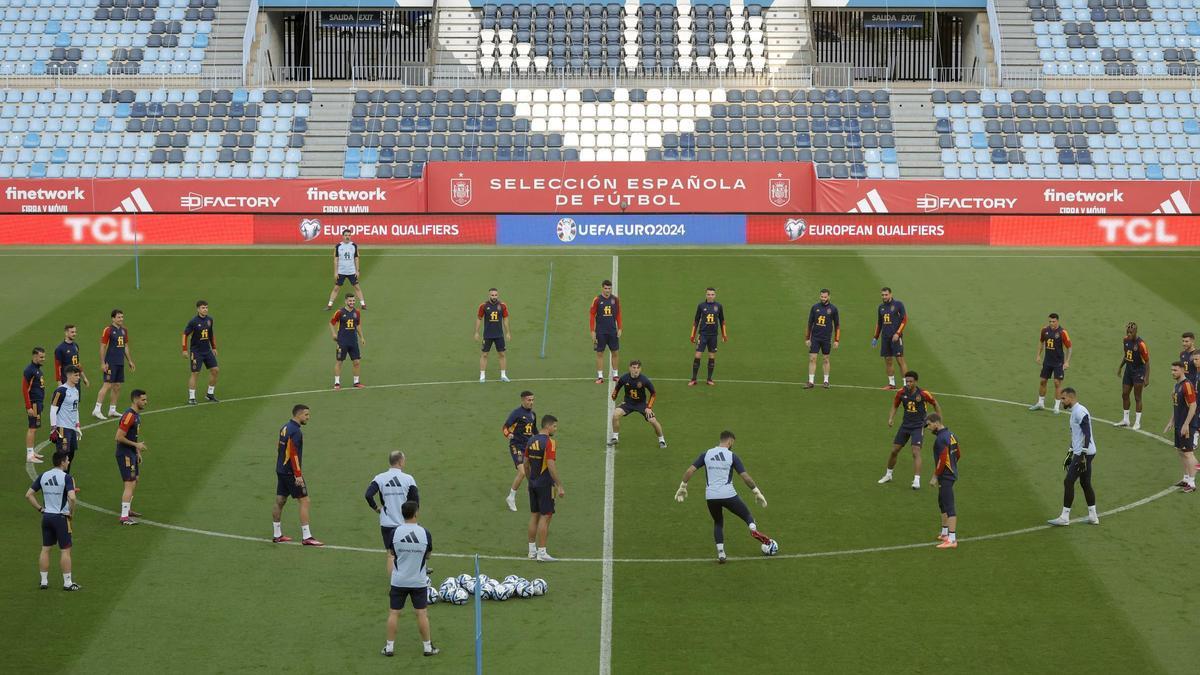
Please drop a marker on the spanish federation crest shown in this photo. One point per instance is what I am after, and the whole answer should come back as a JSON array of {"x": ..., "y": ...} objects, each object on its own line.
[
  {"x": 460, "y": 190},
  {"x": 779, "y": 191}
]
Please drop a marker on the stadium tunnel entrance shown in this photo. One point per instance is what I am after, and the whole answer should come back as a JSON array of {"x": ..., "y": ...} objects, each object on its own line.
[{"x": 352, "y": 43}]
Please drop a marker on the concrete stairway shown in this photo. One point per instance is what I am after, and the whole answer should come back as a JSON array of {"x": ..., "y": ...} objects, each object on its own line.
[
  {"x": 916, "y": 142},
  {"x": 1016, "y": 33},
  {"x": 325, "y": 142},
  {"x": 225, "y": 42}
]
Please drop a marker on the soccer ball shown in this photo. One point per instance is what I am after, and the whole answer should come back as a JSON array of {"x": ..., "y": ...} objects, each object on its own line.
[
  {"x": 504, "y": 591},
  {"x": 433, "y": 595},
  {"x": 460, "y": 597},
  {"x": 512, "y": 579},
  {"x": 770, "y": 548},
  {"x": 469, "y": 587},
  {"x": 462, "y": 579},
  {"x": 490, "y": 589},
  {"x": 523, "y": 589},
  {"x": 310, "y": 228},
  {"x": 538, "y": 587},
  {"x": 448, "y": 589}
]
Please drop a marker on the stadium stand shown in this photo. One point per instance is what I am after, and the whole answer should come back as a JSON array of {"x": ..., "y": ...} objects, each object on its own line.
[
  {"x": 177, "y": 133},
  {"x": 1116, "y": 37},
  {"x": 101, "y": 37},
  {"x": 1141, "y": 134},
  {"x": 846, "y": 133}
]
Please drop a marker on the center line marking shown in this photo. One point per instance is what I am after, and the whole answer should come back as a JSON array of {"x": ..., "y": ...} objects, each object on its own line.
[{"x": 606, "y": 553}]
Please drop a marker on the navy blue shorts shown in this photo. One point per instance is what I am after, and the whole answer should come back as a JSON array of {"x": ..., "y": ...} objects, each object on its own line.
[
  {"x": 348, "y": 350},
  {"x": 917, "y": 435},
  {"x": 629, "y": 409},
  {"x": 819, "y": 346},
  {"x": 889, "y": 348},
  {"x": 517, "y": 454},
  {"x": 128, "y": 465},
  {"x": 285, "y": 486},
  {"x": 488, "y": 342},
  {"x": 203, "y": 359},
  {"x": 343, "y": 278},
  {"x": 1133, "y": 376},
  {"x": 420, "y": 597},
  {"x": 35, "y": 421},
  {"x": 541, "y": 499},
  {"x": 387, "y": 533},
  {"x": 946, "y": 497},
  {"x": 608, "y": 341},
  {"x": 115, "y": 374},
  {"x": 56, "y": 529},
  {"x": 1051, "y": 370},
  {"x": 706, "y": 343},
  {"x": 1185, "y": 443},
  {"x": 68, "y": 442}
]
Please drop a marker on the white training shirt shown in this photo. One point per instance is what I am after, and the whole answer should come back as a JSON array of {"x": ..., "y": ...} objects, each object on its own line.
[
  {"x": 719, "y": 466},
  {"x": 66, "y": 414},
  {"x": 412, "y": 545},
  {"x": 1081, "y": 428},
  {"x": 395, "y": 488},
  {"x": 345, "y": 257},
  {"x": 55, "y": 486}
]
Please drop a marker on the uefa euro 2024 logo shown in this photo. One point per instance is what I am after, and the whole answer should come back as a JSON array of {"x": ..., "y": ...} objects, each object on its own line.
[{"x": 567, "y": 230}]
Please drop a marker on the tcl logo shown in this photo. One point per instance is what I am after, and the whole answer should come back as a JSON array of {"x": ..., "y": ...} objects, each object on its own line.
[
  {"x": 102, "y": 229},
  {"x": 1137, "y": 231}
]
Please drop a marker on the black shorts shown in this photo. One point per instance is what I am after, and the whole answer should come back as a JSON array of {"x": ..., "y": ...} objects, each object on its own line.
[
  {"x": 387, "y": 533},
  {"x": 946, "y": 497},
  {"x": 734, "y": 505},
  {"x": 1133, "y": 376},
  {"x": 889, "y": 348},
  {"x": 1185, "y": 443},
  {"x": 541, "y": 499},
  {"x": 630, "y": 408},
  {"x": 1080, "y": 467},
  {"x": 420, "y": 597},
  {"x": 706, "y": 343},
  {"x": 343, "y": 278},
  {"x": 68, "y": 442},
  {"x": 1052, "y": 370},
  {"x": 819, "y": 346},
  {"x": 517, "y": 454},
  {"x": 608, "y": 341},
  {"x": 56, "y": 529},
  {"x": 905, "y": 434},
  {"x": 285, "y": 486},
  {"x": 488, "y": 342},
  {"x": 128, "y": 465},
  {"x": 348, "y": 350},
  {"x": 115, "y": 374},
  {"x": 203, "y": 359},
  {"x": 35, "y": 420}
]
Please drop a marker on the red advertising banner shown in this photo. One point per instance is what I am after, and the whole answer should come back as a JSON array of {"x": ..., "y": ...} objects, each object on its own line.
[
  {"x": 124, "y": 229},
  {"x": 1007, "y": 196},
  {"x": 868, "y": 229},
  {"x": 376, "y": 229},
  {"x": 1096, "y": 231},
  {"x": 619, "y": 187},
  {"x": 211, "y": 196}
]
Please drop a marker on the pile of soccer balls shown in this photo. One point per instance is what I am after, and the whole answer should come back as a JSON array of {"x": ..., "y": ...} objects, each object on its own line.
[{"x": 458, "y": 590}]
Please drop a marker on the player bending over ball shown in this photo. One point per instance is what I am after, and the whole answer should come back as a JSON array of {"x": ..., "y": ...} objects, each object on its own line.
[
  {"x": 945, "y": 474},
  {"x": 1054, "y": 353},
  {"x": 719, "y": 463},
  {"x": 913, "y": 399},
  {"x": 639, "y": 398},
  {"x": 1135, "y": 361}
]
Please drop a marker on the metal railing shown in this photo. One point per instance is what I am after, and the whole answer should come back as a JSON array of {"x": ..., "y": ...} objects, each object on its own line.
[
  {"x": 825, "y": 75},
  {"x": 249, "y": 34},
  {"x": 282, "y": 76},
  {"x": 994, "y": 30},
  {"x": 208, "y": 78},
  {"x": 1033, "y": 77}
]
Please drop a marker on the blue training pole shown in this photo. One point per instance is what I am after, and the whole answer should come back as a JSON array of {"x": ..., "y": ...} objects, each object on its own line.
[
  {"x": 137, "y": 270},
  {"x": 546, "y": 321},
  {"x": 478, "y": 621}
]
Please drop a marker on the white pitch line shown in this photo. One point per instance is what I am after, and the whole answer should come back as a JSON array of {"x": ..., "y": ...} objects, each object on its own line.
[
  {"x": 609, "y": 560},
  {"x": 610, "y": 469}
]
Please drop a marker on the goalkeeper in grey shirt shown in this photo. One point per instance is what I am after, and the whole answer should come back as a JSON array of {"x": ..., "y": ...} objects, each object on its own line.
[{"x": 1080, "y": 459}]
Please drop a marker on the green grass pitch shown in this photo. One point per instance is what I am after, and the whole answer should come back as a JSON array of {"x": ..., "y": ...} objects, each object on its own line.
[{"x": 1114, "y": 598}]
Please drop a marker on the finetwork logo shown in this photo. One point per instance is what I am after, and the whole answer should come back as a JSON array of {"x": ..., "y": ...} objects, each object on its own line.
[
  {"x": 1175, "y": 204},
  {"x": 872, "y": 203},
  {"x": 136, "y": 202}
]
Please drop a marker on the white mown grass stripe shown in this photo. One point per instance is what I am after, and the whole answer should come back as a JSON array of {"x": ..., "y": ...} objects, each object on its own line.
[{"x": 606, "y": 552}]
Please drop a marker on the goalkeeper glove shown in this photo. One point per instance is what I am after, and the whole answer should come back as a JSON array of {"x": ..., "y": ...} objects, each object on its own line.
[
  {"x": 1067, "y": 461},
  {"x": 874, "y": 342},
  {"x": 681, "y": 493},
  {"x": 758, "y": 497}
]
